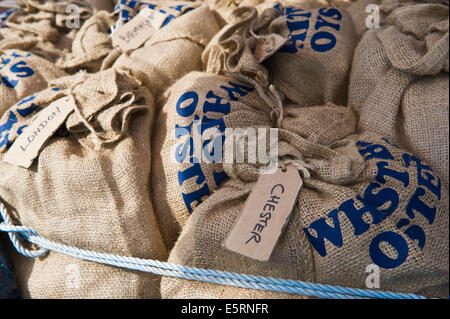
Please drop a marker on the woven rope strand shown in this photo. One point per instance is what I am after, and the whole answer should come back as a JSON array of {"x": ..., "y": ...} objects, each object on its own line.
[{"x": 190, "y": 273}]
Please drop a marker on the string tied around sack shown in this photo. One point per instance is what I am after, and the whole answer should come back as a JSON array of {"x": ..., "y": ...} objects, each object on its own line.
[
  {"x": 13, "y": 232},
  {"x": 269, "y": 95},
  {"x": 240, "y": 63},
  {"x": 302, "y": 167}
]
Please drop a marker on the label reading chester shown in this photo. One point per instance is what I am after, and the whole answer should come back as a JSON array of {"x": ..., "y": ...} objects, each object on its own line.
[{"x": 265, "y": 214}]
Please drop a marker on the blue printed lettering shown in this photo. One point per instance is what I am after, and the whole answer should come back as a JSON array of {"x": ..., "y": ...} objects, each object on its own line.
[
  {"x": 415, "y": 232},
  {"x": 384, "y": 171},
  {"x": 416, "y": 204},
  {"x": 5, "y": 128},
  {"x": 219, "y": 177},
  {"x": 429, "y": 178},
  {"x": 21, "y": 70},
  {"x": 381, "y": 204},
  {"x": 189, "y": 109},
  {"x": 194, "y": 171},
  {"x": 331, "y": 13},
  {"x": 325, "y": 231},
  {"x": 323, "y": 41},
  {"x": 184, "y": 130},
  {"x": 215, "y": 106},
  {"x": 298, "y": 22},
  {"x": 394, "y": 240},
  {"x": 195, "y": 197},
  {"x": 374, "y": 151},
  {"x": 321, "y": 22},
  {"x": 240, "y": 90}
]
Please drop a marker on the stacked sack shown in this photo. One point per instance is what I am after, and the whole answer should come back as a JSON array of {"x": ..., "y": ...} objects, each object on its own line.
[
  {"x": 171, "y": 52},
  {"x": 71, "y": 34},
  {"x": 45, "y": 28},
  {"x": 310, "y": 69},
  {"x": 104, "y": 146},
  {"x": 23, "y": 73},
  {"x": 33, "y": 39},
  {"x": 363, "y": 201},
  {"x": 399, "y": 80},
  {"x": 197, "y": 102},
  {"x": 92, "y": 48},
  {"x": 217, "y": 100},
  {"x": 90, "y": 45},
  {"x": 125, "y": 10},
  {"x": 137, "y": 169},
  {"x": 88, "y": 189}
]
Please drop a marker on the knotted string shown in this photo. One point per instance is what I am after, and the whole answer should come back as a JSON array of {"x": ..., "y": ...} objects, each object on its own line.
[
  {"x": 300, "y": 165},
  {"x": 269, "y": 95},
  {"x": 13, "y": 234}
]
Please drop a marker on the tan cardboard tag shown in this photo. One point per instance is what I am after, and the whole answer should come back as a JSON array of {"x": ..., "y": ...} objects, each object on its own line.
[
  {"x": 133, "y": 34},
  {"x": 268, "y": 46},
  {"x": 27, "y": 146},
  {"x": 265, "y": 214}
]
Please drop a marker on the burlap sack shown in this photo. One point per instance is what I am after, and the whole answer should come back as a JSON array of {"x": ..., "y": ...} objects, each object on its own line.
[
  {"x": 125, "y": 10},
  {"x": 363, "y": 15},
  {"x": 178, "y": 184},
  {"x": 22, "y": 74},
  {"x": 59, "y": 10},
  {"x": 106, "y": 5},
  {"x": 308, "y": 69},
  {"x": 172, "y": 51},
  {"x": 226, "y": 7},
  {"x": 90, "y": 46},
  {"x": 366, "y": 202},
  {"x": 313, "y": 68},
  {"x": 45, "y": 28},
  {"x": 88, "y": 188},
  {"x": 399, "y": 81}
]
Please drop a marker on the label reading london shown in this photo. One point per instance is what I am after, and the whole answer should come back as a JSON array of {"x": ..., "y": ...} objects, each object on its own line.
[{"x": 27, "y": 146}]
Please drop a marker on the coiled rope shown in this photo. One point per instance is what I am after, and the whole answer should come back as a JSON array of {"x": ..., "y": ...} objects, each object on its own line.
[{"x": 18, "y": 233}]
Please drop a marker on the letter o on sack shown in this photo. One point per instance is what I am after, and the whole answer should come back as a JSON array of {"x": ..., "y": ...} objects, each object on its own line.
[
  {"x": 317, "y": 39},
  {"x": 189, "y": 109},
  {"x": 394, "y": 240}
]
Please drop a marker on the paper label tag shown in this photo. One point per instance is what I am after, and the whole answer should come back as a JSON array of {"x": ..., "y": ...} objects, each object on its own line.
[
  {"x": 133, "y": 34},
  {"x": 268, "y": 46},
  {"x": 265, "y": 214},
  {"x": 27, "y": 146}
]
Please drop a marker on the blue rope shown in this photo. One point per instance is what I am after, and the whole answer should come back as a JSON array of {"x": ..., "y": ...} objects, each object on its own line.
[{"x": 18, "y": 233}]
